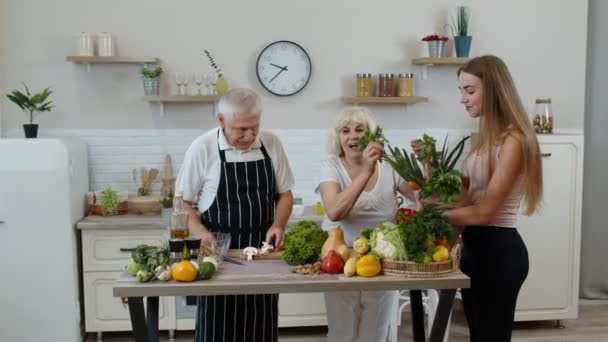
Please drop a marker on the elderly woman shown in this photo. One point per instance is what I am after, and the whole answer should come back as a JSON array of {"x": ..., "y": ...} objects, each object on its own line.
[{"x": 358, "y": 190}]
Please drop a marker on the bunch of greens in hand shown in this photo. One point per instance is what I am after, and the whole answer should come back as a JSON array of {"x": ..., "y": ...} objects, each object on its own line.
[
  {"x": 369, "y": 137},
  {"x": 441, "y": 178}
]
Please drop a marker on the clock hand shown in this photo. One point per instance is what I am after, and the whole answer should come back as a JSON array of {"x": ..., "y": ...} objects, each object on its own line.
[
  {"x": 275, "y": 76},
  {"x": 280, "y": 67}
]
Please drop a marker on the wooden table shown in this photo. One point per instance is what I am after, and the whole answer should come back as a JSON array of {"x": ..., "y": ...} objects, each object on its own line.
[{"x": 274, "y": 276}]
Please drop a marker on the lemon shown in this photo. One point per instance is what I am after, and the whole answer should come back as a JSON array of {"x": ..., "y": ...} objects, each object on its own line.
[{"x": 441, "y": 253}]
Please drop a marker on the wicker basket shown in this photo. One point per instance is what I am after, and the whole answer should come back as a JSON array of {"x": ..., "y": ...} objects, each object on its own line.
[{"x": 429, "y": 270}]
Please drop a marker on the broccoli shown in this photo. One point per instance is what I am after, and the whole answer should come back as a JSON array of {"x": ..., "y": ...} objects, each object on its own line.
[{"x": 303, "y": 243}]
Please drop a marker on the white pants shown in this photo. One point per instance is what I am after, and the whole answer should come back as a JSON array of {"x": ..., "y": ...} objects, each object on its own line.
[{"x": 360, "y": 316}]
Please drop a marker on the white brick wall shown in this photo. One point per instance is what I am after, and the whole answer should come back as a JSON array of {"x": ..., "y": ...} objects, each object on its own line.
[{"x": 113, "y": 154}]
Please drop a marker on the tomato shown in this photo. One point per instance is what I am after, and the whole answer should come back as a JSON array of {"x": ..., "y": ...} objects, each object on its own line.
[
  {"x": 441, "y": 241},
  {"x": 404, "y": 214},
  {"x": 413, "y": 186},
  {"x": 332, "y": 263}
]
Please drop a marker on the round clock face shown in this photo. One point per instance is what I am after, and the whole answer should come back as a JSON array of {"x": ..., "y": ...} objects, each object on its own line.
[{"x": 283, "y": 68}]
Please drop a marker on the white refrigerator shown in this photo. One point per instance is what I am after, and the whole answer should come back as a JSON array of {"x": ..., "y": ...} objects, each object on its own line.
[{"x": 43, "y": 185}]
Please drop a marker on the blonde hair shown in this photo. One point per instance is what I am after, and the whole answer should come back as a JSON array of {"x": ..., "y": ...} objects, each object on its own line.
[
  {"x": 241, "y": 101},
  {"x": 359, "y": 115},
  {"x": 503, "y": 114}
]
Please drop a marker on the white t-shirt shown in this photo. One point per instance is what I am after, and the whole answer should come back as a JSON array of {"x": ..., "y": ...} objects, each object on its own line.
[
  {"x": 372, "y": 207},
  {"x": 199, "y": 175}
]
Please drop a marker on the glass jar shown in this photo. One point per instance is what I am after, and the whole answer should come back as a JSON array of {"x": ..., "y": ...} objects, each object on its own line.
[
  {"x": 176, "y": 250},
  {"x": 364, "y": 85},
  {"x": 382, "y": 85},
  {"x": 405, "y": 85},
  {"x": 193, "y": 244},
  {"x": 390, "y": 85},
  {"x": 543, "y": 116}
]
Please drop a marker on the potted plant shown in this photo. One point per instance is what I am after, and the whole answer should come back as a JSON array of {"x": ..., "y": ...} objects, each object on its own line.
[
  {"x": 32, "y": 104},
  {"x": 436, "y": 44},
  {"x": 460, "y": 29},
  {"x": 221, "y": 85},
  {"x": 151, "y": 78}
]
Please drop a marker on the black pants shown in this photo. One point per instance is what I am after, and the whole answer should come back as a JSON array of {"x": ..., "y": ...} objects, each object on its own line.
[{"x": 496, "y": 260}]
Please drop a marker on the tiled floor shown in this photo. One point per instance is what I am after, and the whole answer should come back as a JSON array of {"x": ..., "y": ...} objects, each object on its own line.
[{"x": 592, "y": 326}]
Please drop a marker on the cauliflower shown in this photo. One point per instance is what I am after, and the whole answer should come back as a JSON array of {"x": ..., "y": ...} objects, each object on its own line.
[{"x": 387, "y": 242}]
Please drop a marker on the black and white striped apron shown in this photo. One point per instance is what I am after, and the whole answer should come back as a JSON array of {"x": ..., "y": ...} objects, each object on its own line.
[{"x": 244, "y": 207}]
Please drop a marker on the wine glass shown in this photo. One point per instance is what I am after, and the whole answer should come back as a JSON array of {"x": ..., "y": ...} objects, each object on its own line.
[
  {"x": 198, "y": 79},
  {"x": 180, "y": 79},
  {"x": 211, "y": 83}
]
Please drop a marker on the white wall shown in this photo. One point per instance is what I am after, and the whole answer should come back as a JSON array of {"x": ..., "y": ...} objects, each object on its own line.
[{"x": 543, "y": 41}]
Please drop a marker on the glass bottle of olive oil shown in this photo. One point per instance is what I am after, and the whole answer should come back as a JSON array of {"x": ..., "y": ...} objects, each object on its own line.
[{"x": 179, "y": 218}]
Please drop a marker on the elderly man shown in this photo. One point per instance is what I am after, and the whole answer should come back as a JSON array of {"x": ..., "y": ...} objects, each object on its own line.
[{"x": 242, "y": 180}]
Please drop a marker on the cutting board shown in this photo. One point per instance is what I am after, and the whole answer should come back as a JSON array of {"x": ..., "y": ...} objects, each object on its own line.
[{"x": 238, "y": 254}]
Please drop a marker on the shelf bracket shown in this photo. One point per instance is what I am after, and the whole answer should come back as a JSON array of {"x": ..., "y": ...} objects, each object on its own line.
[
  {"x": 425, "y": 71},
  {"x": 162, "y": 108}
]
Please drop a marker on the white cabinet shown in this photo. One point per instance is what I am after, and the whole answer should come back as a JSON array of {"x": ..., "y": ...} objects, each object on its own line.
[
  {"x": 553, "y": 235},
  {"x": 106, "y": 249},
  {"x": 302, "y": 309}
]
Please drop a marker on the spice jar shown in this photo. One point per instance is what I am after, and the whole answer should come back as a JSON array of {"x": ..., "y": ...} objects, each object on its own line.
[
  {"x": 382, "y": 78},
  {"x": 193, "y": 244},
  {"x": 543, "y": 116},
  {"x": 406, "y": 85},
  {"x": 364, "y": 85},
  {"x": 176, "y": 249},
  {"x": 390, "y": 85}
]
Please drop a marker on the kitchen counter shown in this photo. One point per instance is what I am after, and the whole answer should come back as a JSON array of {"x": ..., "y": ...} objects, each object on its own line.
[
  {"x": 134, "y": 221},
  {"x": 275, "y": 276}
]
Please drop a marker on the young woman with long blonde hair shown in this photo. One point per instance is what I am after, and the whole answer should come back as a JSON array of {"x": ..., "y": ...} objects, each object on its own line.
[{"x": 505, "y": 170}]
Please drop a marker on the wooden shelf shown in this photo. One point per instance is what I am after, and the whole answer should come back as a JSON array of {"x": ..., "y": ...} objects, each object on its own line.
[
  {"x": 440, "y": 61},
  {"x": 384, "y": 100},
  {"x": 161, "y": 100},
  {"x": 183, "y": 98},
  {"x": 113, "y": 59}
]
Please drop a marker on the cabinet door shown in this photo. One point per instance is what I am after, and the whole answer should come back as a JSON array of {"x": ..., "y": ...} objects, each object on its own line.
[
  {"x": 550, "y": 236},
  {"x": 110, "y": 250},
  {"x": 302, "y": 309},
  {"x": 104, "y": 312}
]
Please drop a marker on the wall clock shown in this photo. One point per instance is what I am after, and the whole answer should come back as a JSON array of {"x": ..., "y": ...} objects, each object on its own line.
[{"x": 283, "y": 68}]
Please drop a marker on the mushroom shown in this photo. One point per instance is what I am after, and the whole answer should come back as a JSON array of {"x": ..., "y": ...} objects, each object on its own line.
[
  {"x": 266, "y": 247},
  {"x": 250, "y": 252}
]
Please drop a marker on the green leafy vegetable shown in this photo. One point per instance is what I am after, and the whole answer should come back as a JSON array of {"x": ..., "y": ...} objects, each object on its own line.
[
  {"x": 303, "y": 243},
  {"x": 427, "y": 224},
  {"x": 369, "y": 137}
]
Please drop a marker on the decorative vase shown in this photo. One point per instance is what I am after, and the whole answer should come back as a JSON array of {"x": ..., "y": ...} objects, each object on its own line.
[
  {"x": 436, "y": 48},
  {"x": 151, "y": 86},
  {"x": 221, "y": 85},
  {"x": 462, "y": 45},
  {"x": 31, "y": 130}
]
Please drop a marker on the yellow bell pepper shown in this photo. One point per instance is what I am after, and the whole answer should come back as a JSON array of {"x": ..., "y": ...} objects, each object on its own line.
[
  {"x": 368, "y": 266},
  {"x": 361, "y": 245}
]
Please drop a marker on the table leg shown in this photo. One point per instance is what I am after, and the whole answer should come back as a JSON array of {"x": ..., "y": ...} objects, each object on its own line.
[
  {"x": 417, "y": 315},
  {"x": 442, "y": 315},
  {"x": 152, "y": 318},
  {"x": 138, "y": 319}
]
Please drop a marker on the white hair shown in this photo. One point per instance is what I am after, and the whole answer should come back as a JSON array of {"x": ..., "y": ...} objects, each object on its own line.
[
  {"x": 358, "y": 115},
  {"x": 241, "y": 101}
]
